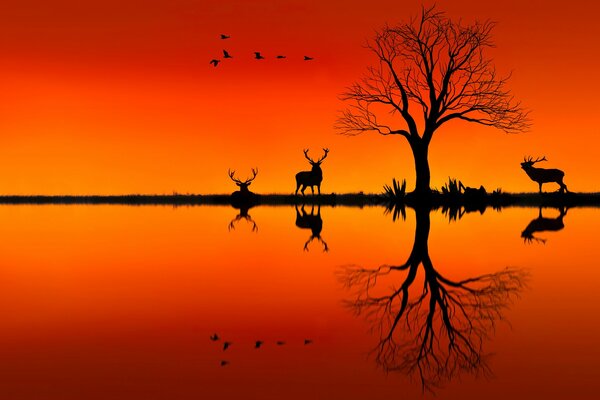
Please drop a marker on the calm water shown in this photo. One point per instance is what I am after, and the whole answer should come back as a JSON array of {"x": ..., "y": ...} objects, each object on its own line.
[{"x": 117, "y": 302}]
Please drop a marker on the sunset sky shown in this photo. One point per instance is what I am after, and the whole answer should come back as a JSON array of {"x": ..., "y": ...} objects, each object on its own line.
[{"x": 111, "y": 97}]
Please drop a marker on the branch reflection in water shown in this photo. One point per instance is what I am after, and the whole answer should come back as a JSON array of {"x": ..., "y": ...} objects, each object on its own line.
[{"x": 431, "y": 327}]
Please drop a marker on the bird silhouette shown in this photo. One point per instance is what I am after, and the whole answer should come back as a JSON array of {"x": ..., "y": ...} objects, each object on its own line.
[
  {"x": 214, "y": 337},
  {"x": 307, "y": 58},
  {"x": 280, "y": 343},
  {"x": 226, "y": 54},
  {"x": 258, "y": 344},
  {"x": 307, "y": 341},
  {"x": 223, "y": 36},
  {"x": 226, "y": 345},
  {"x": 214, "y": 62},
  {"x": 280, "y": 57},
  {"x": 258, "y": 56},
  {"x": 224, "y": 363}
]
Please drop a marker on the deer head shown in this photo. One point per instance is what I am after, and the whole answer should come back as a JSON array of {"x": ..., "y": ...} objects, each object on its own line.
[
  {"x": 529, "y": 161},
  {"x": 319, "y": 161},
  {"x": 243, "y": 184}
]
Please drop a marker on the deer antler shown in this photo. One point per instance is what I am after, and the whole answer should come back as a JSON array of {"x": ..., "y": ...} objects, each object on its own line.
[
  {"x": 254, "y": 173},
  {"x": 231, "y": 175},
  {"x": 540, "y": 159},
  {"x": 247, "y": 181},
  {"x": 324, "y": 156},
  {"x": 319, "y": 160},
  {"x": 307, "y": 157}
]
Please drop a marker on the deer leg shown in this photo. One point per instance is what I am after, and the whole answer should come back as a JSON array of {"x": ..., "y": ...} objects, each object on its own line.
[
  {"x": 319, "y": 189},
  {"x": 563, "y": 187},
  {"x": 303, "y": 189},
  {"x": 312, "y": 189},
  {"x": 297, "y": 187},
  {"x": 540, "y": 183}
]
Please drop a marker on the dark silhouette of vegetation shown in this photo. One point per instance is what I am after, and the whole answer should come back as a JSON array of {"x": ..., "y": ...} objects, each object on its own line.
[
  {"x": 543, "y": 175},
  {"x": 542, "y": 224},
  {"x": 430, "y": 70},
  {"x": 430, "y": 326},
  {"x": 311, "y": 178},
  {"x": 396, "y": 192},
  {"x": 311, "y": 221}
]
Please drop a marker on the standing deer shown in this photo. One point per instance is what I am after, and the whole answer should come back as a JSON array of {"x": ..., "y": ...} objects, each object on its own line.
[
  {"x": 311, "y": 221},
  {"x": 311, "y": 178},
  {"x": 244, "y": 194},
  {"x": 543, "y": 175}
]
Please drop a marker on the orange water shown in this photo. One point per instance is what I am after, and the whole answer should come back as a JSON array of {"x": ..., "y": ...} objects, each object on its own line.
[{"x": 118, "y": 302}]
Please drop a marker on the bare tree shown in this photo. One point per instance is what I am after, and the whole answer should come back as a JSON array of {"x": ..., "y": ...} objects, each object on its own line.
[
  {"x": 430, "y": 326},
  {"x": 430, "y": 70}
]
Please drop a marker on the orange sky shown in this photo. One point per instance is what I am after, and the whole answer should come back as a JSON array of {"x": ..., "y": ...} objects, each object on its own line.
[{"x": 117, "y": 96}]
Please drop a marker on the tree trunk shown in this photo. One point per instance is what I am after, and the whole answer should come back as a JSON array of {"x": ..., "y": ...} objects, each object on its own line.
[{"x": 420, "y": 153}]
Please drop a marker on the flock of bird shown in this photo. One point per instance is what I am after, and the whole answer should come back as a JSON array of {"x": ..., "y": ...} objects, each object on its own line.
[
  {"x": 257, "y": 54},
  {"x": 257, "y": 345}
]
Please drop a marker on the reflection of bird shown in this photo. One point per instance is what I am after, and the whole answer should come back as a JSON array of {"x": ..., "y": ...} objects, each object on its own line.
[
  {"x": 224, "y": 363},
  {"x": 258, "y": 56},
  {"x": 224, "y": 36},
  {"x": 226, "y": 54},
  {"x": 307, "y": 58},
  {"x": 214, "y": 337},
  {"x": 258, "y": 344},
  {"x": 226, "y": 345},
  {"x": 280, "y": 343},
  {"x": 307, "y": 341},
  {"x": 214, "y": 62},
  {"x": 280, "y": 57}
]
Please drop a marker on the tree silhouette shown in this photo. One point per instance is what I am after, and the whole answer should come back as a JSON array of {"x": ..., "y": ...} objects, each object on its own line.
[
  {"x": 430, "y": 326},
  {"x": 430, "y": 70}
]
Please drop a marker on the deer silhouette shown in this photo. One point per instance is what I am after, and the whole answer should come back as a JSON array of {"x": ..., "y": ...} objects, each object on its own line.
[
  {"x": 542, "y": 224},
  {"x": 311, "y": 178},
  {"x": 543, "y": 175},
  {"x": 312, "y": 222},
  {"x": 244, "y": 194}
]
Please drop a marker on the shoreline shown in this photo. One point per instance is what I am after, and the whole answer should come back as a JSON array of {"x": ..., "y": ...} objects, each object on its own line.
[{"x": 348, "y": 199}]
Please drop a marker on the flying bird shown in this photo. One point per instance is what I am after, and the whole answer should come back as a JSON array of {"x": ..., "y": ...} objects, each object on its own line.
[
  {"x": 226, "y": 54},
  {"x": 226, "y": 345},
  {"x": 280, "y": 57},
  {"x": 214, "y": 337},
  {"x": 214, "y": 62},
  {"x": 224, "y": 363},
  {"x": 307, "y": 58},
  {"x": 307, "y": 341},
  {"x": 258, "y": 56},
  {"x": 258, "y": 344},
  {"x": 223, "y": 36},
  {"x": 280, "y": 343}
]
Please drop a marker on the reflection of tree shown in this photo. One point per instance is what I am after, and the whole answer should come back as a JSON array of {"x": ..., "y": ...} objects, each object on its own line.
[{"x": 431, "y": 326}]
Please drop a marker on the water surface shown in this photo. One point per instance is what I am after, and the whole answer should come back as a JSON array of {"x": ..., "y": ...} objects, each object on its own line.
[{"x": 118, "y": 302}]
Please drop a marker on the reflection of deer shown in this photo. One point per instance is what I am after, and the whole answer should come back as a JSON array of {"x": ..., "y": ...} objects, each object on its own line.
[
  {"x": 541, "y": 224},
  {"x": 430, "y": 325},
  {"x": 543, "y": 175},
  {"x": 311, "y": 178},
  {"x": 246, "y": 217},
  {"x": 312, "y": 222}
]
